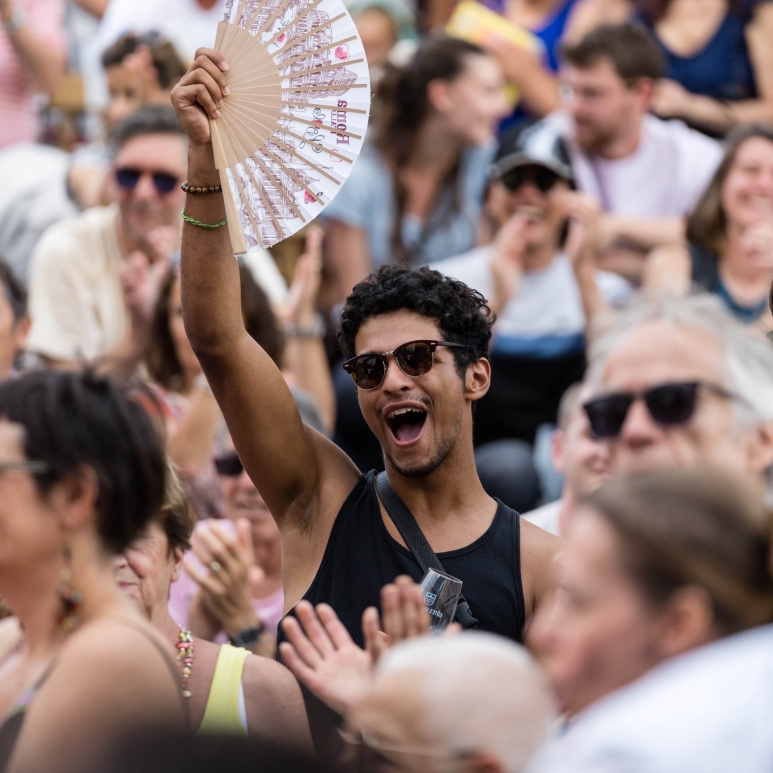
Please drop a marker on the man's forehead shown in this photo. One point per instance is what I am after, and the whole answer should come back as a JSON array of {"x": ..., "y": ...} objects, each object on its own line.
[
  {"x": 660, "y": 351},
  {"x": 384, "y": 332}
]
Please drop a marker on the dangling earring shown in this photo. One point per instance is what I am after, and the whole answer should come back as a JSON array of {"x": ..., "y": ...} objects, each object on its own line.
[{"x": 70, "y": 598}]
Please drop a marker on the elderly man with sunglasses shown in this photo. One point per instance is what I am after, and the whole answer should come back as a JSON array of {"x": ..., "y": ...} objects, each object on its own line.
[
  {"x": 541, "y": 280},
  {"x": 682, "y": 384},
  {"x": 94, "y": 278}
]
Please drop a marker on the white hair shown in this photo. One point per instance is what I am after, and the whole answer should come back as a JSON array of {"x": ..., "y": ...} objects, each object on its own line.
[
  {"x": 748, "y": 355},
  {"x": 483, "y": 693}
]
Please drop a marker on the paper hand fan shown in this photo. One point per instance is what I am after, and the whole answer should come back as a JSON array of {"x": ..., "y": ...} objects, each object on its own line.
[{"x": 294, "y": 122}]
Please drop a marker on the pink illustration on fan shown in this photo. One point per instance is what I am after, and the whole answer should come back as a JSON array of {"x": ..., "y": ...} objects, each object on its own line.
[
  {"x": 308, "y": 198},
  {"x": 342, "y": 52},
  {"x": 317, "y": 121},
  {"x": 281, "y": 38}
]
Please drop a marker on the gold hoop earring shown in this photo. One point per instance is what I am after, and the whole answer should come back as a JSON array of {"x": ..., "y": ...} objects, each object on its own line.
[{"x": 70, "y": 598}]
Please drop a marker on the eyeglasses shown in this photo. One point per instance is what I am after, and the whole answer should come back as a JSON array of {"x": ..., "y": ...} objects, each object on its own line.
[
  {"x": 32, "y": 466},
  {"x": 414, "y": 358},
  {"x": 229, "y": 465},
  {"x": 668, "y": 404},
  {"x": 541, "y": 176},
  {"x": 128, "y": 178}
]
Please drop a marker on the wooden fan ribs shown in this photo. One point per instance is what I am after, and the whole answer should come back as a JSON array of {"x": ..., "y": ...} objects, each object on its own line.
[{"x": 257, "y": 149}]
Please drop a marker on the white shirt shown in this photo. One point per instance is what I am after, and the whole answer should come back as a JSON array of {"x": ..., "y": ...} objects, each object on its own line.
[
  {"x": 709, "y": 711},
  {"x": 545, "y": 317},
  {"x": 546, "y": 517},
  {"x": 184, "y": 22},
  {"x": 664, "y": 177}
]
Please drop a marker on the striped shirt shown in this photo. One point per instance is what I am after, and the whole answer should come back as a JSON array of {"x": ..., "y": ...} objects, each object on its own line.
[{"x": 18, "y": 116}]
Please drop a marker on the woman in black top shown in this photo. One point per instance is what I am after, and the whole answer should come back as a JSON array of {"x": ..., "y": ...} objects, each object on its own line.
[
  {"x": 81, "y": 474},
  {"x": 730, "y": 233}
]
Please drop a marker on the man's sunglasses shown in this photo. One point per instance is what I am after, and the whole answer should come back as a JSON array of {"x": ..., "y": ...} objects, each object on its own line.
[
  {"x": 229, "y": 465},
  {"x": 668, "y": 404},
  {"x": 542, "y": 177},
  {"x": 128, "y": 178},
  {"x": 415, "y": 358}
]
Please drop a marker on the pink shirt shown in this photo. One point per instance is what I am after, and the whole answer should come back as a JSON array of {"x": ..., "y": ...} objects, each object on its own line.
[
  {"x": 182, "y": 592},
  {"x": 18, "y": 117}
]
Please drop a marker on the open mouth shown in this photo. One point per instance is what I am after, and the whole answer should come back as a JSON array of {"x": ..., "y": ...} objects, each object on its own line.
[
  {"x": 406, "y": 424},
  {"x": 534, "y": 214}
]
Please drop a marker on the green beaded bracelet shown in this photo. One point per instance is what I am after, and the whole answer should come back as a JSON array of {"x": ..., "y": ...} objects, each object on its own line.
[{"x": 190, "y": 220}]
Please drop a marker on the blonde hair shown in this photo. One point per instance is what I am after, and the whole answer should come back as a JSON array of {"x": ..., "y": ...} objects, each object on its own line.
[{"x": 176, "y": 517}]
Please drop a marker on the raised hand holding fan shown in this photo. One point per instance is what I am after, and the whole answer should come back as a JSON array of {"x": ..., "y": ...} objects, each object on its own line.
[{"x": 294, "y": 121}]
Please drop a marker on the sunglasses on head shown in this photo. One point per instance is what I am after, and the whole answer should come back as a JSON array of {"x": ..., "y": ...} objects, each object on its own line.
[
  {"x": 668, "y": 404},
  {"x": 542, "y": 177},
  {"x": 128, "y": 178},
  {"x": 415, "y": 358},
  {"x": 229, "y": 465}
]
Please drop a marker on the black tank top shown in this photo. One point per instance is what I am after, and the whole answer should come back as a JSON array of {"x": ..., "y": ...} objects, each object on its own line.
[{"x": 361, "y": 557}]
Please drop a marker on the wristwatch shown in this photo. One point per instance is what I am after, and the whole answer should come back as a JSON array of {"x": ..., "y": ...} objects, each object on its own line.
[
  {"x": 247, "y": 638},
  {"x": 16, "y": 22}
]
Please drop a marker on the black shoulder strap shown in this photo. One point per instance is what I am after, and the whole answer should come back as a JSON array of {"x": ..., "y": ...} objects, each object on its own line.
[{"x": 417, "y": 543}]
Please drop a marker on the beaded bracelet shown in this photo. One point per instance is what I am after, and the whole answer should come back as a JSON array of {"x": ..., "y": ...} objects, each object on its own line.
[
  {"x": 198, "y": 223},
  {"x": 211, "y": 189}
]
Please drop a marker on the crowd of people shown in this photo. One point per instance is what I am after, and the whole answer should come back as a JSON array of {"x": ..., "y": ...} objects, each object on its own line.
[{"x": 526, "y": 346}]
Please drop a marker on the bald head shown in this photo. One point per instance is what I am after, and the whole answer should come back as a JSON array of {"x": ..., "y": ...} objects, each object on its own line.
[{"x": 474, "y": 695}]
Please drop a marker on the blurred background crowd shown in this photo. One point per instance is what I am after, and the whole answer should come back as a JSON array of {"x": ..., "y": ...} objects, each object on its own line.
[{"x": 562, "y": 157}]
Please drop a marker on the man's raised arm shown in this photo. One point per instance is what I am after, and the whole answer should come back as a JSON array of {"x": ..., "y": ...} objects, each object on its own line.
[{"x": 275, "y": 448}]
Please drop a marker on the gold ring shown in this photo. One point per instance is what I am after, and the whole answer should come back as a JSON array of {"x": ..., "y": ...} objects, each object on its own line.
[{"x": 215, "y": 567}]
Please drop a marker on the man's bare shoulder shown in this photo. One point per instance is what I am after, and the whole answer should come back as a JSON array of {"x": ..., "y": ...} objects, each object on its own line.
[{"x": 538, "y": 548}]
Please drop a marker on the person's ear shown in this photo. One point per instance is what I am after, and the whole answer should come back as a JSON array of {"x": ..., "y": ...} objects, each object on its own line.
[
  {"x": 439, "y": 96},
  {"x": 74, "y": 498},
  {"x": 482, "y": 762},
  {"x": 177, "y": 566},
  {"x": 645, "y": 90},
  {"x": 557, "y": 450},
  {"x": 760, "y": 449},
  {"x": 20, "y": 332},
  {"x": 478, "y": 379},
  {"x": 687, "y": 621}
]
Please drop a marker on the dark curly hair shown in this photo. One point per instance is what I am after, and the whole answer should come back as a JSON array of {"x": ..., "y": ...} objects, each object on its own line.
[{"x": 460, "y": 312}]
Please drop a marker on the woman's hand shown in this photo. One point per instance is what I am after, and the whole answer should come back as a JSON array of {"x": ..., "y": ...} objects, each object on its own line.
[
  {"x": 199, "y": 94},
  {"x": 507, "y": 261},
  {"x": 757, "y": 243},
  {"x": 301, "y": 306},
  {"x": 585, "y": 238},
  {"x": 671, "y": 99},
  {"x": 227, "y": 586}
]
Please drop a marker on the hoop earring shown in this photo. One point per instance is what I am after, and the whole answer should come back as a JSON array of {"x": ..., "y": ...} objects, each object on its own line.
[{"x": 70, "y": 598}]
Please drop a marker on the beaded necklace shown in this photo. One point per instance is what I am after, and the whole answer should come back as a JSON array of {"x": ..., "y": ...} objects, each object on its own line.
[{"x": 185, "y": 656}]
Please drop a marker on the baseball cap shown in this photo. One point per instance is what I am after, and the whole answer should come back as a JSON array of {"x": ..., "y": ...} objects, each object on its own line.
[{"x": 538, "y": 145}]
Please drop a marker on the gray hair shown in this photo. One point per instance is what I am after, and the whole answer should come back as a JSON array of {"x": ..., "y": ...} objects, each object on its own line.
[
  {"x": 748, "y": 354},
  {"x": 483, "y": 693}
]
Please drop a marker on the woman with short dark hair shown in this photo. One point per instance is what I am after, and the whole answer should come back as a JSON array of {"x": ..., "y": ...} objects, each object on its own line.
[{"x": 81, "y": 474}]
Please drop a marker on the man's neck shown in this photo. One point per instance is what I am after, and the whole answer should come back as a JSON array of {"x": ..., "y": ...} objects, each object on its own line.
[
  {"x": 625, "y": 143},
  {"x": 453, "y": 491},
  {"x": 537, "y": 258}
]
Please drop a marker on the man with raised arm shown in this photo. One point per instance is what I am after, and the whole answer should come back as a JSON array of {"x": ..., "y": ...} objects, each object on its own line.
[{"x": 425, "y": 339}]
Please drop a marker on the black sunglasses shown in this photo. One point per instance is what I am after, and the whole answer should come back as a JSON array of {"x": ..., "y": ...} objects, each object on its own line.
[
  {"x": 229, "y": 465},
  {"x": 414, "y": 358},
  {"x": 541, "y": 176},
  {"x": 668, "y": 404},
  {"x": 128, "y": 178}
]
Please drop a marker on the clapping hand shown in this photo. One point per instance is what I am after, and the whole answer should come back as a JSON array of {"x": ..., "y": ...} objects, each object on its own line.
[
  {"x": 507, "y": 261},
  {"x": 301, "y": 303},
  {"x": 322, "y": 655},
  {"x": 227, "y": 583},
  {"x": 585, "y": 239}
]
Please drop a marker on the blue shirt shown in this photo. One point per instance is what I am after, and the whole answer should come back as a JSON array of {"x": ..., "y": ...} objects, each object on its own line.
[{"x": 367, "y": 201}]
